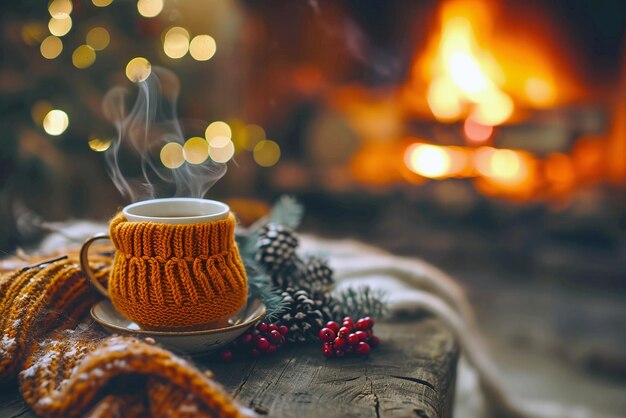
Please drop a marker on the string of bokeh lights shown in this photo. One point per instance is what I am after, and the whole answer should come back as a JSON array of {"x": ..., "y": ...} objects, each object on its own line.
[{"x": 222, "y": 140}]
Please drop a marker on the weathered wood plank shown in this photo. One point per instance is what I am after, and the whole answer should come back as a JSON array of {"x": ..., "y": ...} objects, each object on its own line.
[{"x": 412, "y": 373}]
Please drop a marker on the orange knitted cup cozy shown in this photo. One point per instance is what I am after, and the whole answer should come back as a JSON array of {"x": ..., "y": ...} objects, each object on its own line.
[{"x": 168, "y": 276}]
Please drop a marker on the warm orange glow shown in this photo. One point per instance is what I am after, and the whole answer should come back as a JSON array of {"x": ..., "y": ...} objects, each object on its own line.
[
  {"x": 539, "y": 91},
  {"x": 465, "y": 76},
  {"x": 471, "y": 66},
  {"x": 476, "y": 133},
  {"x": 502, "y": 165},
  {"x": 434, "y": 161}
]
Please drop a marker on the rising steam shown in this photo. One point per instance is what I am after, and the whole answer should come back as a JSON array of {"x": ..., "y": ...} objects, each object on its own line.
[{"x": 142, "y": 131}]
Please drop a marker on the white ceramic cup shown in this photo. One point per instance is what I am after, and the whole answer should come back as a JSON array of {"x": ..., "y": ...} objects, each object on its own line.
[{"x": 176, "y": 210}]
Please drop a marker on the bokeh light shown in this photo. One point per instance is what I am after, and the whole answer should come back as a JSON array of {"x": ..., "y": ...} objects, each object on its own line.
[
  {"x": 138, "y": 69},
  {"x": 254, "y": 135},
  {"x": 99, "y": 145},
  {"x": 51, "y": 47},
  {"x": 101, "y": 3},
  {"x": 428, "y": 160},
  {"x": 202, "y": 47},
  {"x": 55, "y": 122},
  {"x": 172, "y": 155},
  {"x": 98, "y": 38},
  {"x": 60, "y": 9},
  {"x": 217, "y": 128},
  {"x": 149, "y": 8},
  {"x": 219, "y": 141},
  {"x": 502, "y": 165},
  {"x": 176, "y": 42},
  {"x": 40, "y": 110},
  {"x": 60, "y": 26},
  {"x": 494, "y": 108},
  {"x": 83, "y": 56},
  {"x": 33, "y": 33},
  {"x": 476, "y": 133},
  {"x": 266, "y": 153},
  {"x": 222, "y": 154},
  {"x": 539, "y": 91},
  {"x": 196, "y": 150}
]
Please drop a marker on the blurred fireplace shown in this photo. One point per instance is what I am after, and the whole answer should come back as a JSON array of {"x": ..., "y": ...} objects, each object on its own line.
[{"x": 495, "y": 95}]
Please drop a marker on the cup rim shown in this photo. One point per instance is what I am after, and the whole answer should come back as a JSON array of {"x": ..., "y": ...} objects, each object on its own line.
[{"x": 221, "y": 212}]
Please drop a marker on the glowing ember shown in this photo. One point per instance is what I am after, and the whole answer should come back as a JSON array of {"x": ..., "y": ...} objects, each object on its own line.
[{"x": 475, "y": 132}]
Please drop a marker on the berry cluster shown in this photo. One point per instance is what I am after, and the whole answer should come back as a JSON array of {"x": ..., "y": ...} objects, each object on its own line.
[
  {"x": 349, "y": 338},
  {"x": 263, "y": 339}
]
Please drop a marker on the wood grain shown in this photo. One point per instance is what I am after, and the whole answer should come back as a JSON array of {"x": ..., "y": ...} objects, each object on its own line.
[{"x": 412, "y": 373}]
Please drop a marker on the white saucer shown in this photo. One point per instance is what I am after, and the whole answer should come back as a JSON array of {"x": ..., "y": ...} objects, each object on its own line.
[{"x": 189, "y": 342}]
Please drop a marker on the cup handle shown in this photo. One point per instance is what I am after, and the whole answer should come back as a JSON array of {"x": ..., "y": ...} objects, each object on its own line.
[{"x": 84, "y": 263}]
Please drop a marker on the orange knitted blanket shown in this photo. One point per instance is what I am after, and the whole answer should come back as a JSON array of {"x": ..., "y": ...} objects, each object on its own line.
[{"x": 67, "y": 367}]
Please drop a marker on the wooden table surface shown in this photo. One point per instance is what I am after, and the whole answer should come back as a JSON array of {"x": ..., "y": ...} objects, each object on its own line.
[{"x": 411, "y": 373}]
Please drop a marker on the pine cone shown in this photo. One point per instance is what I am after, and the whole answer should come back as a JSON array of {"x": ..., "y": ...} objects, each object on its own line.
[
  {"x": 329, "y": 307},
  {"x": 276, "y": 248},
  {"x": 318, "y": 275},
  {"x": 303, "y": 317}
]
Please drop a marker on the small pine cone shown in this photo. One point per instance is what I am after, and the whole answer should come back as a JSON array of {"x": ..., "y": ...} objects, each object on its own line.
[
  {"x": 329, "y": 307},
  {"x": 276, "y": 248},
  {"x": 318, "y": 275},
  {"x": 290, "y": 276},
  {"x": 302, "y": 317}
]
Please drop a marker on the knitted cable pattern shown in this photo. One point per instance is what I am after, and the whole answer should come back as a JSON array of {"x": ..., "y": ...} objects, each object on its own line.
[
  {"x": 69, "y": 368},
  {"x": 168, "y": 276}
]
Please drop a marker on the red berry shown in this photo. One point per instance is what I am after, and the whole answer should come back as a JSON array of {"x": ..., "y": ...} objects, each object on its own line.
[
  {"x": 361, "y": 324},
  {"x": 363, "y": 349},
  {"x": 362, "y": 335},
  {"x": 246, "y": 338},
  {"x": 348, "y": 324},
  {"x": 273, "y": 327},
  {"x": 353, "y": 339},
  {"x": 339, "y": 353},
  {"x": 340, "y": 342},
  {"x": 343, "y": 331},
  {"x": 271, "y": 348},
  {"x": 374, "y": 341},
  {"x": 262, "y": 344},
  {"x": 283, "y": 329},
  {"x": 333, "y": 325},
  {"x": 346, "y": 318},
  {"x": 275, "y": 335},
  {"x": 226, "y": 355},
  {"x": 327, "y": 335},
  {"x": 255, "y": 352},
  {"x": 370, "y": 322},
  {"x": 328, "y": 352},
  {"x": 263, "y": 327}
]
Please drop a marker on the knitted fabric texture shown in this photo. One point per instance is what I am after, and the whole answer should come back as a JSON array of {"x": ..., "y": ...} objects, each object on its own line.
[
  {"x": 69, "y": 368},
  {"x": 168, "y": 276}
]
